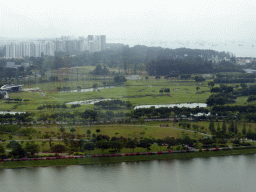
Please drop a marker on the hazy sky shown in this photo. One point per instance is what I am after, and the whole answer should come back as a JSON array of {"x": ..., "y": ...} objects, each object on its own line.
[{"x": 179, "y": 19}]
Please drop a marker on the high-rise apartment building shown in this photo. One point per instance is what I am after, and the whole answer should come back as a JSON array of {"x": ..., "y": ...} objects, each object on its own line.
[
  {"x": 49, "y": 47},
  {"x": 90, "y": 38},
  {"x": 103, "y": 42}
]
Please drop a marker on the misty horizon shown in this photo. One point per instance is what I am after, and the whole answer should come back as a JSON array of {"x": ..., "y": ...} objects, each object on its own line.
[{"x": 206, "y": 20}]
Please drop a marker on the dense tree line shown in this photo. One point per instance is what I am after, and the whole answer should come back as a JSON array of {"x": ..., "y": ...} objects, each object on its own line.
[
  {"x": 114, "y": 104},
  {"x": 233, "y": 80},
  {"x": 227, "y": 66},
  {"x": 188, "y": 65},
  {"x": 165, "y": 112},
  {"x": 21, "y": 117},
  {"x": 99, "y": 70}
]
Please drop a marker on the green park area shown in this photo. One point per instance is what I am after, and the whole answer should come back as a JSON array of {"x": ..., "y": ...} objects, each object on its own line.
[{"x": 92, "y": 110}]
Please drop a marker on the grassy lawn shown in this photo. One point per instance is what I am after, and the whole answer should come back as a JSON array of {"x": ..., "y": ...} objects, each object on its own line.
[{"x": 140, "y": 94}]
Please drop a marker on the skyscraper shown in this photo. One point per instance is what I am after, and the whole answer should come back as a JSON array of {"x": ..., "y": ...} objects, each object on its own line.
[
  {"x": 90, "y": 38},
  {"x": 103, "y": 42}
]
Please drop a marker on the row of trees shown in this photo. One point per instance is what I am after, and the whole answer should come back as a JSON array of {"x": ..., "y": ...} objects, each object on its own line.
[
  {"x": 114, "y": 104},
  {"x": 188, "y": 65},
  {"x": 18, "y": 150},
  {"x": 116, "y": 144}
]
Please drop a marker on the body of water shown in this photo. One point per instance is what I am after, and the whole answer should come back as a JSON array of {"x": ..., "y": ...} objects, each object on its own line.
[
  {"x": 244, "y": 48},
  {"x": 250, "y": 71},
  {"x": 88, "y": 90},
  {"x": 87, "y": 102},
  {"x": 224, "y": 173},
  {"x": 9, "y": 112}
]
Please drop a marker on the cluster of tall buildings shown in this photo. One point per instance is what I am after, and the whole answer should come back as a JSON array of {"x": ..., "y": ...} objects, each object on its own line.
[{"x": 49, "y": 47}]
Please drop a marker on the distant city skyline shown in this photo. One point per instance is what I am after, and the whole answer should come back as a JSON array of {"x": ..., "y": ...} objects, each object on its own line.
[{"x": 34, "y": 48}]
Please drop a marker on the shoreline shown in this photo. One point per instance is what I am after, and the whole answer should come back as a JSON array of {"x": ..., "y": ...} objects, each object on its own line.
[{"x": 120, "y": 159}]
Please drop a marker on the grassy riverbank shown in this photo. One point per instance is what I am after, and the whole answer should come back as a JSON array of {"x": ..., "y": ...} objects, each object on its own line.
[{"x": 106, "y": 160}]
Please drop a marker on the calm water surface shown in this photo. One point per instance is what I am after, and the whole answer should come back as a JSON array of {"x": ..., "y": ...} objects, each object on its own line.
[{"x": 230, "y": 173}]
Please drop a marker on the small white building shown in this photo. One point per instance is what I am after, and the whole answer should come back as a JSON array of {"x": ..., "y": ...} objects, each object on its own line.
[{"x": 133, "y": 77}]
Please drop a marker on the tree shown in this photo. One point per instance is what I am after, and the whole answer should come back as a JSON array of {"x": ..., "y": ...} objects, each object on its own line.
[
  {"x": 100, "y": 71},
  {"x": 16, "y": 149},
  {"x": 197, "y": 88},
  {"x": 251, "y": 98},
  {"x": 231, "y": 127},
  {"x": 170, "y": 141},
  {"x": 102, "y": 144},
  {"x": 88, "y": 132},
  {"x": 167, "y": 90},
  {"x": 211, "y": 84},
  {"x": 207, "y": 141},
  {"x": 18, "y": 152},
  {"x": 120, "y": 79},
  {"x": 243, "y": 85},
  {"x": 89, "y": 146},
  {"x": 186, "y": 140},
  {"x": 224, "y": 127},
  {"x": 199, "y": 79},
  {"x": 62, "y": 129},
  {"x": 58, "y": 148},
  {"x": 95, "y": 85},
  {"x": 98, "y": 130},
  {"x": 32, "y": 148},
  {"x": 160, "y": 143},
  {"x": 235, "y": 128},
  {"x": 158, "y": 77},
  {"x": 72, "y": 130},
  {"x": 244, "y": 129},
  {"x": 218, "y": 128},
  {"x": 116, "y": 145},
  {"x": 131, "y": 144},
  {"x": 2, "y": 151},
  {"x": 141, "y": 121},
  {"x": 13, "y": 144},
  {"x": 145, "y": 143},
  {"x": 212, "y": 127}
]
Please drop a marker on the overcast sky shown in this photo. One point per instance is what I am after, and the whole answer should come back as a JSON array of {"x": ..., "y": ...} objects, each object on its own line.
[{"x": 147, "y": 20}]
